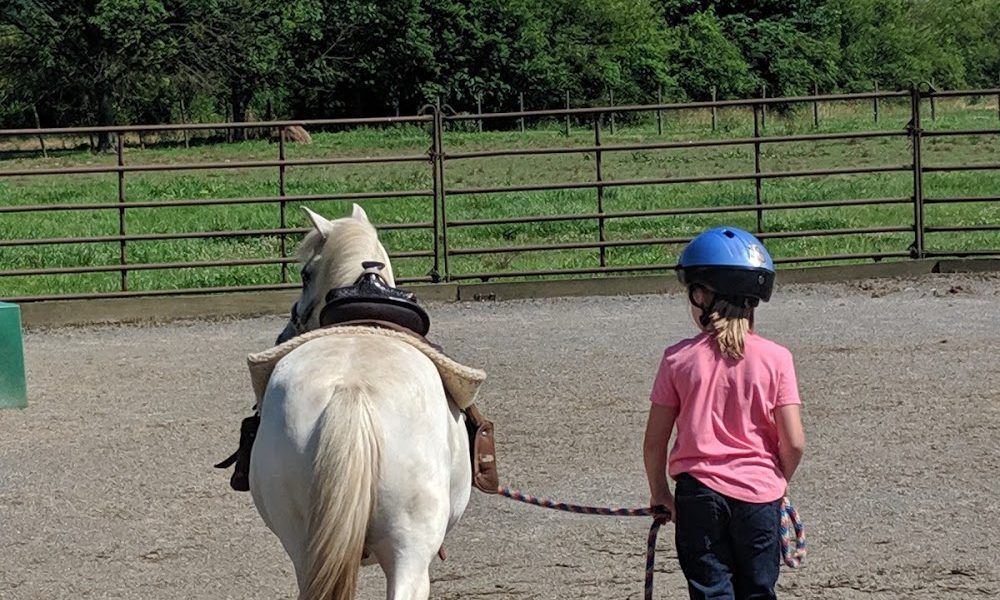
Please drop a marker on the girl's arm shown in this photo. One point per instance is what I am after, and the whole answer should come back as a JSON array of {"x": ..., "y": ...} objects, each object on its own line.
[
  {"x": 791, "y": 438},
  {"x": 654, "y": 451}
]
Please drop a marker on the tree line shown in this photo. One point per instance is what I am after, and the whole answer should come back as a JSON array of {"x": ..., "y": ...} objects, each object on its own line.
[{"x": 102, "y": 62}]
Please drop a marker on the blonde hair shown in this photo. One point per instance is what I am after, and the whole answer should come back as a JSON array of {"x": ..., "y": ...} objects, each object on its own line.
[{"x": 729, "y": 325}]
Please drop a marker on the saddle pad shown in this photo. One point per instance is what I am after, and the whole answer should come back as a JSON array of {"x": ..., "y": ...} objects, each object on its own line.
[{"x": 460, "y": 382}]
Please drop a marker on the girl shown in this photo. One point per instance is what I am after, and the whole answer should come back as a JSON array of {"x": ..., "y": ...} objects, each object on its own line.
[{"x": 734, "y": 398}]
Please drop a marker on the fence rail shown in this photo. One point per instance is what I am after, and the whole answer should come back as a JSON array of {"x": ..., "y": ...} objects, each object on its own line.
[{"x": 444, "y": 193}]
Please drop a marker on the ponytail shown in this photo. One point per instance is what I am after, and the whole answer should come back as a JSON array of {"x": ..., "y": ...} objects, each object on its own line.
[{"x": 729, "y": 325}]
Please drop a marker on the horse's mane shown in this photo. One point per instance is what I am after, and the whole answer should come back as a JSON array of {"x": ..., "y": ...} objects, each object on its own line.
[{"x": 351, "y": 242}]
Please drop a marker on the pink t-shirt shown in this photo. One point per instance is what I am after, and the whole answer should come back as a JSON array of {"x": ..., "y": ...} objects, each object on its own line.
[{"x": 726, "y": 432}]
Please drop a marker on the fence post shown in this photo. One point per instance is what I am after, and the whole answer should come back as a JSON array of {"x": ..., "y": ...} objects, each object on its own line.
[
  {"x": 184, "y": 132},
  {"x": 122, "y": 230},
  {"x": 763, "y": 107},
  {"x": 917, "y": 250},
  {"x": 758, "y": 114},
  {"x": 933, "y": 107},
  {"x": 38, "y": 126},
  {"x": 600, "y": 188},
  {"x": 875, "y": 102},
  {"x": 567, "y": 114},
  {"x": 282, "y": 206},
  {"x": 611, "y": 100},
  {"x": 659, "y": 113},
  {"x": 815, "y": 105},
  {"x": 479, "y": 110},
  {"x": 521, "y": 106},
  {"x": 440, "y": 216},
  {"x": 714, "y": 108}
]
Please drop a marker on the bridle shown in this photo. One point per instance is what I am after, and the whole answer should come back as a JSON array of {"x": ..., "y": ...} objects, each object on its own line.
[{"x": 295, "y": 320}]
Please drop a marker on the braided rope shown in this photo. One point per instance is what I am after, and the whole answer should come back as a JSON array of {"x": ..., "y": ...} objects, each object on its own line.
[
  {"x": 657, "y": 512},
  {"x": 793, "y": 535},
  {"x": 791, "y": 531},
  {"x": 654, "y": 529},
  {"x": 579, "y": 508}
]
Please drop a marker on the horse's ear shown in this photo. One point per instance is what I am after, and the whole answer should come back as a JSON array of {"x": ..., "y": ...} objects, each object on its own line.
[
  {"x": 360, "y": 214},
  {"x": 321, "y": 223}
]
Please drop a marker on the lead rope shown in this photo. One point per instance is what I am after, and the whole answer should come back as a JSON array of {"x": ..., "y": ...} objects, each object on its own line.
[
  {"x": 792, "y": 531},
  {"x": 792, "y": 534},
  {"x": 657, "y": 512}
]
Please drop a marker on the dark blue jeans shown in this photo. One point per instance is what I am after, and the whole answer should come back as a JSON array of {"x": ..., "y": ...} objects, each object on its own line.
[{"x": 728, "y": 549}]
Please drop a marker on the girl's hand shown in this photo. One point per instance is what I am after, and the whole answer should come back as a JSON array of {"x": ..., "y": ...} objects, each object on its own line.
[{"x": 664, "y": 500}]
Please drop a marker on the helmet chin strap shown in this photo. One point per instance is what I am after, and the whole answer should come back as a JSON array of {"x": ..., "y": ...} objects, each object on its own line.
[{"x": 705, "y": 318}]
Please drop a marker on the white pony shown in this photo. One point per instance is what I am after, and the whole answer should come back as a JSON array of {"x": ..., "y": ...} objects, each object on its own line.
[{"x": 359, "y": 452}]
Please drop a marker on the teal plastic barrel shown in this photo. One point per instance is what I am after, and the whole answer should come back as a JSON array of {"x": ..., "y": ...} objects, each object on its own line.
[{"x": 13, "y": 387}]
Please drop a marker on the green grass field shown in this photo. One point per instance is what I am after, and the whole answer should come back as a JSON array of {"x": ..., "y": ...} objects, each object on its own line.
[{"x": 494, "y": 171}]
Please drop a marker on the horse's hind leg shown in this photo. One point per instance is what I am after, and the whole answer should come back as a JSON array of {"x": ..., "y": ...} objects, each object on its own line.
[
  {"x": 407, "y": 574},
  {"x": 405, "y": 542},
  {"x": 286, "y": 520},
  {"x": 278, "y": 485}
]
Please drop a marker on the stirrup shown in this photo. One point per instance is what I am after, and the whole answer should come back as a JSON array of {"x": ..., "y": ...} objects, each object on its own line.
[{"x": 240, "y": 480}]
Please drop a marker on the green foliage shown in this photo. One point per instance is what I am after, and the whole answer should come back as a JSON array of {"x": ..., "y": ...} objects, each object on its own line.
[
  {"x": 78, "y": 61},
  {"x": 791, "y": 46},
  {"x": 961, "y": 41},
  {"x": 881, "y": 42},
  {"x": 360, "y": 57},
  {"x": 706, "y": 58},
  {"x": 107, "y": 61},
  {"x": 591, "y": 47},
  {"x": 410, "y": 52}
]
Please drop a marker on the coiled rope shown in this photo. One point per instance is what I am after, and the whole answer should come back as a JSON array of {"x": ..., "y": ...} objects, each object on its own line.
[
  {"x": 792, "y": 534},
  {"x": 792, "y": 531}
]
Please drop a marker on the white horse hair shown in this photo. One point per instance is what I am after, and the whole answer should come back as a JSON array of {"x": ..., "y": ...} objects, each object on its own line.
[{"x": 359, "y": 452}]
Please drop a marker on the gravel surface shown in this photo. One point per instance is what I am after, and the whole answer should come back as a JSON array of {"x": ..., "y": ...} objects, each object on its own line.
[{"x": 107, "y": 489}]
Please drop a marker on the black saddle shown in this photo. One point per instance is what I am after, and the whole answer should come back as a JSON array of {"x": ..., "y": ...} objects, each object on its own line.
[{"x": 372, "y": 298}]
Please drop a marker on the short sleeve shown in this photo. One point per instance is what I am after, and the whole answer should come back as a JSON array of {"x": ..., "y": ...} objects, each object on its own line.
[
  {"x": 788, "y": 385},
  {"x": 664, "y": 392}
]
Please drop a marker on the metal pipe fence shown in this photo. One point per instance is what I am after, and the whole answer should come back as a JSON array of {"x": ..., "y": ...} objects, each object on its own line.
[{"x": 448, "y": 260}]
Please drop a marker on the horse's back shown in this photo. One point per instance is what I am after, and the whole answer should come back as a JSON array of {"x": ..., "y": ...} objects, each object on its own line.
[
  {"x": 402, "y": 384},
  {"x": 388, "y": 369}
]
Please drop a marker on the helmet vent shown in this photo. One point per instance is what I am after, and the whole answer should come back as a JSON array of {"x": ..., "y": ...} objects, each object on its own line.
[{"x": 728, "y": 234}]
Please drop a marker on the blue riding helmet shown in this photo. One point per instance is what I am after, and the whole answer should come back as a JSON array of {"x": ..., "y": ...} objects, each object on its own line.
[{"x": 731, "y": 262}]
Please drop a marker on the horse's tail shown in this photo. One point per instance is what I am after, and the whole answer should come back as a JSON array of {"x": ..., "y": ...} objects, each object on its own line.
[{"x": 343, "y": 495}]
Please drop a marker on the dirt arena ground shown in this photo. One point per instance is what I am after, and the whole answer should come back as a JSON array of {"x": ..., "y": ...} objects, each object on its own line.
[{"x": 107, "y": 489}]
